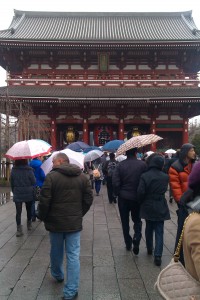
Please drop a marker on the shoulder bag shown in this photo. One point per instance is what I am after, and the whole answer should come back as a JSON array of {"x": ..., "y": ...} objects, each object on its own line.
[{"x": 174, "y": 282}]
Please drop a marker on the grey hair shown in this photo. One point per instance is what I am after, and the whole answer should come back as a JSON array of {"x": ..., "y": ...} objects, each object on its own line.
[{"x": 63, "y": 156}]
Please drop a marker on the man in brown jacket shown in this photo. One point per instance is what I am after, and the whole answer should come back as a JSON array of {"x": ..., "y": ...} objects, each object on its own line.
[{"x": 66, "y": 196}]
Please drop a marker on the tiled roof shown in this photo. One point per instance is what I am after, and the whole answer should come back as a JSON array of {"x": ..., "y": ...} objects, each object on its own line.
[
  {"x": 95, "y": 94},
  {"x": 95, "y": 27}
]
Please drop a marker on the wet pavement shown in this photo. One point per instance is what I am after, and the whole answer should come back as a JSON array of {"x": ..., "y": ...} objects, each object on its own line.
[{"x": 108, "y": 271}]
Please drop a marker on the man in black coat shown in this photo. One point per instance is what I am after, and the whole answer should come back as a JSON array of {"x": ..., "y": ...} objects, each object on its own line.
[{"x": 125, "y": 183}]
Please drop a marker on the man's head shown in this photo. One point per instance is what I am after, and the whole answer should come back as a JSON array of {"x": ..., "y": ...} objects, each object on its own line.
[
  {"x": 112, "y": 155},
  {"x": 60, "y": 159},
  {"x": 131, "y": 152},
  {"x": 187, "y": 153}
]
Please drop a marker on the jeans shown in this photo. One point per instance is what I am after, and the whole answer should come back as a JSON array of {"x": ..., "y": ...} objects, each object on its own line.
[
  {"x": 71, "y": 243},
  {"x": 18, "y": 206},
  {"x": 125, "y": 208},
  {"x": 97, "y": 185},
  {"x": 158, "y": 227},
  {"x": 33, "y": 214}
]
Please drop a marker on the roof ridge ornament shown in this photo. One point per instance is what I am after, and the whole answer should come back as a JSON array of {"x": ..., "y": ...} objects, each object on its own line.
[
  {"x": 13, "y": 29},
  {"x": 193, "y": 29}
]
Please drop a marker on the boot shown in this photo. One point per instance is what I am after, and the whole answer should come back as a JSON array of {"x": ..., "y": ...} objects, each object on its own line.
[
  {"x": 29, "y": 225},
  {"x": 19, "y": 231}
]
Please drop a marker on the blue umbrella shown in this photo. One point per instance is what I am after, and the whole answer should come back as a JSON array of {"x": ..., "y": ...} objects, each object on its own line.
[
  {"x": 90, "y": 148},
  {"x": 77, "y": 146},
  {"x": 112, "y": 146}
]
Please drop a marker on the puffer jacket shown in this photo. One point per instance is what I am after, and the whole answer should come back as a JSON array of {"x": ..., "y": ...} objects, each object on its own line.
[
  {"x": 179, "y": 179},
  {"x": 22, "y": 182},
  {"x": 179, "y": 172},
  {"x": 66, "y": 196},
  {"x": 151, "y": 192}
]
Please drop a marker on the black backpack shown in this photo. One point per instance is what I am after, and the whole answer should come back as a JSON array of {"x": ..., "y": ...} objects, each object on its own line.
[{"x": 111, "y": 167}]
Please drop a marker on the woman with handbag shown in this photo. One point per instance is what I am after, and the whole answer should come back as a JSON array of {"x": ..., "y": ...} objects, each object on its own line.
[
  {"x": 191, "y": 246},
  {"x": 184, "y": 209}
]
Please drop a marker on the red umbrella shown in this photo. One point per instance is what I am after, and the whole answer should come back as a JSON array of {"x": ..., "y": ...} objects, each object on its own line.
[{"x": 28, "y": 149}]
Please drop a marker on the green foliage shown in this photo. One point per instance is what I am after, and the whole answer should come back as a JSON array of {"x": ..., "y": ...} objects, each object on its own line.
[{"x": 196, "y": 143}]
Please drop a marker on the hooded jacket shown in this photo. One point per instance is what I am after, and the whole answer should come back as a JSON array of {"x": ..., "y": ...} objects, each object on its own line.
[
  {"x": 66, "y": 196},
  {"x": 151, "y": 191},
  {"x": 38, "y": 172},
  {"x": 179, "y": 172}
]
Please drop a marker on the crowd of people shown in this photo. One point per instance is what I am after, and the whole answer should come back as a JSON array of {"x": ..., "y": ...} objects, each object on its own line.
[{"x": 138, "y": 184}]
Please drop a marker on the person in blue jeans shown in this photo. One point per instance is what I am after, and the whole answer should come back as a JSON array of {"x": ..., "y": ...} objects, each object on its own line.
[
  {"x": 153, "y": 205},
  {"x": 36, "y": 164},
  {"x": 66, "y": 196}
]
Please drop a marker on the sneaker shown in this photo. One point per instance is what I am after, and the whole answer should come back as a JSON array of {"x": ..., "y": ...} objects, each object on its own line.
[
  {"x": 29, "y": 225},
  {"x": 157, "y": 261},
  {"x": 60, "y": 280},
  {"x": 19, "y": 231},
  {"x": 72, "y": 298},
  {"x": 136, "y": 249},
  {"x": 128, "y": 247}
]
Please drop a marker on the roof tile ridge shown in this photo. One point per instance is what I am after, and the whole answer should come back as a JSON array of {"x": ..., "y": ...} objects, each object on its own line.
[
  {"x": 193, "y": 29},
  {"x": 13, "y": 29}
]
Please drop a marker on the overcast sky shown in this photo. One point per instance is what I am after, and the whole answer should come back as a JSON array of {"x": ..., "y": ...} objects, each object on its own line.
[{"x": 7, "y": 9}]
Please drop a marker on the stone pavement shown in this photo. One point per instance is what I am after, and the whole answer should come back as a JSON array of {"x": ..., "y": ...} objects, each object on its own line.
[{"x": 108, "y": 271}]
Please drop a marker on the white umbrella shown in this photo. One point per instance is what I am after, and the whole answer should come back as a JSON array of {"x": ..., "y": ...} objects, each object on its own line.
[
  {"x": 120, "y": 158},
  {"x": 74, "y": 158},
  {"x": 92, "y": 155},
  {"x": 28, "y": 149},
  {"x": 170, "y": 151},
  {"x": 148, "y": 153}
]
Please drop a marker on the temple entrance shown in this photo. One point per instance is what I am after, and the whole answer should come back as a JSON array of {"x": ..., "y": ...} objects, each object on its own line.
[
  {"x": 131, "y": 130},
  {"x": 68, "y": 133},
  {"x": 101, "y": 134}
]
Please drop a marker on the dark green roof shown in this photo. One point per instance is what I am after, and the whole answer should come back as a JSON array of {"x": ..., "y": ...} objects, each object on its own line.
[
  {"x": 86, "y": 93},
  {"x": 98, "y": 27}
]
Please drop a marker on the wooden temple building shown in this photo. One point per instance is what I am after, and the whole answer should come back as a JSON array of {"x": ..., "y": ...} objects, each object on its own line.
[{"x": 101, "y": 76}]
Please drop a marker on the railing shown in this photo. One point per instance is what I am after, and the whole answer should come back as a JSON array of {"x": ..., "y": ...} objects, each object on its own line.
[{"x": 5, "y": 168}]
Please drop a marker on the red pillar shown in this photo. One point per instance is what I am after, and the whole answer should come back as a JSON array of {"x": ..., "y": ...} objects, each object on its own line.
[
  {"x": 185, "y": 131},
  {"x": 153, "y": 131},
  {"x": 53, "y": 134},
  {"x": 121, "y": 129},
  {"x": 85, "y": 131}
]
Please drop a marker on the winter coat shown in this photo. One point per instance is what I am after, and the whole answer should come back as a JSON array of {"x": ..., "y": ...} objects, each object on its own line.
[
  {"x": 179, "y": 172},
  {"x": 191, "y": 246},
  {"x": 38, "y": 172},
  {"x": 22, "y": 182},
  {"x": 194, "y": 179},
  {"x": 126, "y": 178},
  {"x": 151, "y": 192},
  {"x": 66, "y": 196}
]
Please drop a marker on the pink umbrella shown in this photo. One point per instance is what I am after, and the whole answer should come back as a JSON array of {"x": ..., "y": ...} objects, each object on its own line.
[
  {"x": 138, "y": 142},
  {"x": 28, "y": 149}
]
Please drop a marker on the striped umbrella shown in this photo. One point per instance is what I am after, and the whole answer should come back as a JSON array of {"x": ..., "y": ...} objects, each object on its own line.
[{"x": 138, "y": 142}]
